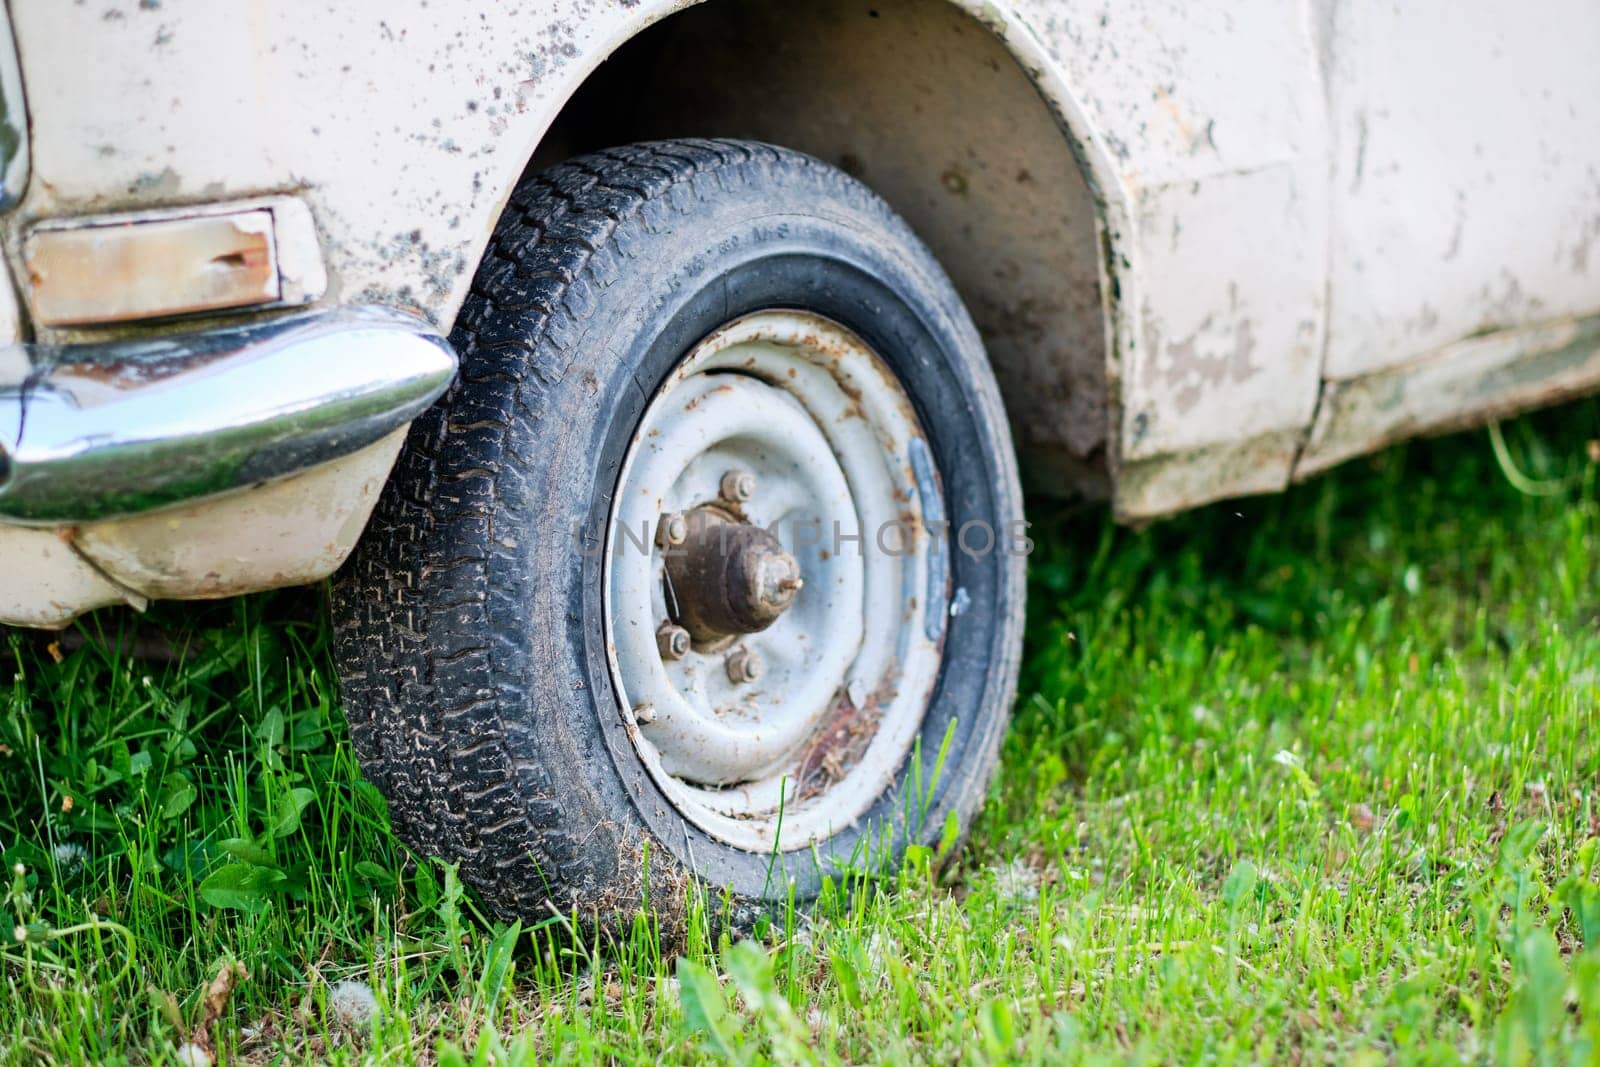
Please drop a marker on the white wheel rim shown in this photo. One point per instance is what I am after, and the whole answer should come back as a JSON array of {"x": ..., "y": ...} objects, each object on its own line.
[{"x": 802, "y": 752}]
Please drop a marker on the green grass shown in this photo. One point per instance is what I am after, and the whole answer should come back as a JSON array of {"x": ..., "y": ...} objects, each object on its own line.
[{"x": 1310, "y": 777}]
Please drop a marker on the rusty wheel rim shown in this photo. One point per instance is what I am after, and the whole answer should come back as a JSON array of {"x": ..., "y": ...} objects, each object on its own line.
[{"x": 773, "y": 548}]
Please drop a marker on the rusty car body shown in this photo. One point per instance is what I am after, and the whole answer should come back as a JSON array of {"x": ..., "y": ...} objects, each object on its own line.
[{"x": 1211, "y": 248}]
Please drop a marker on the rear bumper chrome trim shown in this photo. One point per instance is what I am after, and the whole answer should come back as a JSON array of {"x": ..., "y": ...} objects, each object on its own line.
[{"x": 95, "y": 431}]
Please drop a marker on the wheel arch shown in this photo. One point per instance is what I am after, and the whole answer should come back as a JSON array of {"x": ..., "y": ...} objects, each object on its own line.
[{"x": 955, "y": 113}]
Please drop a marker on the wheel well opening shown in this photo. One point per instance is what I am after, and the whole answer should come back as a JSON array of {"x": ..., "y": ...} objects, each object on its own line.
[{"x": 926, "y": 106}]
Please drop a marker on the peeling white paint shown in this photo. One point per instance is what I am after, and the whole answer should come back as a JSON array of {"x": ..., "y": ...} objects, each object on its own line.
[
  {"x": 1465, "y": 175},
  {"x": 1284, "y": 195},
  {"x": 45, "y": 583},
  {"x": 1458, "y": 385}
]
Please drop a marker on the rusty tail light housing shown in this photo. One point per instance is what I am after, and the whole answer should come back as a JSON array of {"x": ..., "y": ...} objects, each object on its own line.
[{"x": 166, "y": 262}]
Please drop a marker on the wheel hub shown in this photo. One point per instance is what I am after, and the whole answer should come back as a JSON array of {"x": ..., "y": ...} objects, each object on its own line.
[{"x": 728, "y": 578}]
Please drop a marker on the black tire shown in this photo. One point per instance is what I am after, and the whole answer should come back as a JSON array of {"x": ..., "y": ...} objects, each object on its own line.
[{"x": 469, "y": 634}]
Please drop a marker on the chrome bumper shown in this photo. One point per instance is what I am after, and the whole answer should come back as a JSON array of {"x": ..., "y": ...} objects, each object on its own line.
[{"x": 96, "y": 431}]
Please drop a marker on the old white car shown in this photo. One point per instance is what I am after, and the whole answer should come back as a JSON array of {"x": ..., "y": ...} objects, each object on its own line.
[{"x": 707, "y": 563}]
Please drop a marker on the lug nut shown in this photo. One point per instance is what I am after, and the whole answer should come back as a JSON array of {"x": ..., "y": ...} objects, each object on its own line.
[
  {"x": 673, "y": 530},
  {"x": 738, "y": 486},
  {"x": 744, "y": 666},
  {"x": 673, "y": 641}
]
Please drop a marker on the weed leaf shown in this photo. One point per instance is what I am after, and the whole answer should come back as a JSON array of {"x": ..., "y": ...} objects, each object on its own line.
[{"x": 242, "y": 887}]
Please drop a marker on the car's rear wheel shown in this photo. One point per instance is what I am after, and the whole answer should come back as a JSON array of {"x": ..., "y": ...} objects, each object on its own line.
[{"x": 707, "y": 567}]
